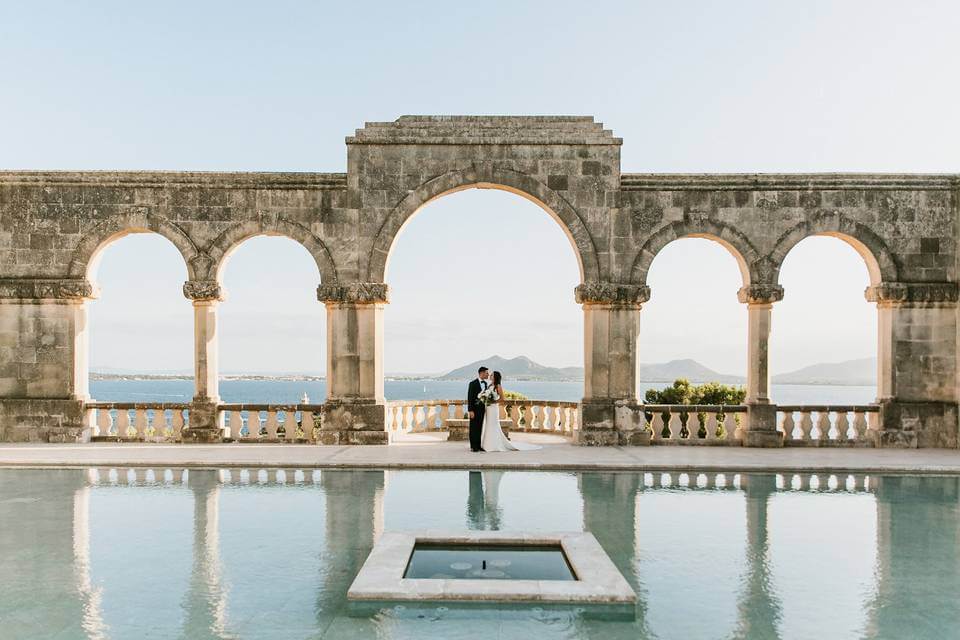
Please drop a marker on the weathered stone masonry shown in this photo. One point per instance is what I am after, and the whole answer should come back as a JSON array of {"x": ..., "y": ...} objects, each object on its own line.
[{"x": 54, "y": 224}]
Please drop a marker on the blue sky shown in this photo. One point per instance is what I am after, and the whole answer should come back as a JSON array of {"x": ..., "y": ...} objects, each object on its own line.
[{"x": 693, "y": 86}]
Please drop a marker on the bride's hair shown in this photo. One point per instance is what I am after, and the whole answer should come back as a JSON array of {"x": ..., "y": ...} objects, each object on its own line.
[{"x": 496, "y": 378}]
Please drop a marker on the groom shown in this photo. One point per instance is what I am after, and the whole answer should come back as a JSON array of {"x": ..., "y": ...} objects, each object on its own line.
[{"x": 476, "y": 409}]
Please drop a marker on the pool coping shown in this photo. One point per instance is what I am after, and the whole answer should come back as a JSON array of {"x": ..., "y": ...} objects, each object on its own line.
[
  {"x": 455, "y": 456},
  {"x": 380, "y": 579}
]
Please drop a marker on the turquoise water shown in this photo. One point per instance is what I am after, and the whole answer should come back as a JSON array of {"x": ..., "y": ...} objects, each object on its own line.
[
  {"x": 207, "y": 554},
  {"x": 288, "y": 391}
]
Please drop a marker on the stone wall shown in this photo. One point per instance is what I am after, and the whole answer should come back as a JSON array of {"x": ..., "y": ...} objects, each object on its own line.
[{"x": 54, "y": 224}]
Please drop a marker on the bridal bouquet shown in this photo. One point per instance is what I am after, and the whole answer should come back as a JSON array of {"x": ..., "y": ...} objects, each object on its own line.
[{"x": 488, "y": 397}]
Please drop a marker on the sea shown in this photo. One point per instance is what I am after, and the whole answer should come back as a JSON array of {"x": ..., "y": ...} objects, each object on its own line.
[{"x": 276, "y": 391}]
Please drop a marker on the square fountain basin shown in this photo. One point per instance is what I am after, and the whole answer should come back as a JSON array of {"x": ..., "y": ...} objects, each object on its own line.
[{"x": 555, "y": 568}]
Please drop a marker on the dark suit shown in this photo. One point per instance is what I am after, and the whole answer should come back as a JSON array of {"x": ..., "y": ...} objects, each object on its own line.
[{"x": 476, "y": 423}]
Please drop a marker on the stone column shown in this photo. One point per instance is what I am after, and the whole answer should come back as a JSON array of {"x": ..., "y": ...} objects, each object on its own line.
[
  {"x": 761, "y": 427},
  {"x": 917, "y": 363},
  {"x": 609, "y": 412},
  {"x": 354, "y": 412},
  {"x": 44, "y": 359},
  {"x": 206, "y": 424}
]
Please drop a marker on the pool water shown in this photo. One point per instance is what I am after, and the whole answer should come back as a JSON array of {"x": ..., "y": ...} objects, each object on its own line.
[
  {"x": 488, "y": 562},
  {"x": 270, "y": 554}
]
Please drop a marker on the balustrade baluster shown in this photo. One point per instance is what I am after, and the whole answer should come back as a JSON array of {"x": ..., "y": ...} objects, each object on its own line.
[
  {"x": 290, "y": 425},
  {"x": 532, "y": 417},
  {"x": 306, "y": 424},
  {"x": 730, "y": 427},
  {"x": 657, "y": 426},
  {"x": 859, "y": 426},
  {"x": 515, "y": 415},
  {"x": 674, "y": 425},
  {"x": 104, "y": 422},
  {"x": 235, "y": 424},
  {"x": 272, "y": 424},
  {"x": 159, "y": 424},
  {"x": 693, "y": 426},
  {"x": 430, "y": 418},
  {"x": 140, "y": 423},
  {"x": 546, "y": 419},
  {"x": 177, "y": 423},
  {"x": 253, "y": 424},
  {"x": 787, "y": 425},
  {"x": 123, "y": 423},
  {"x": 823, "y": 425},
  {"x": 806, "y": 425},
  {"x": 712, "y": 425},
  {"x": 843, "y": 425}
]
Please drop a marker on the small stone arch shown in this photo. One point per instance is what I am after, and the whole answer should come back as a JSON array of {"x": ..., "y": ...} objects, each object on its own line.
[
  {"x": 86, "y": 256},
  {"x": 482, "y": 176},
  {"x": 723, "y": 234},
  {"x": 881, "y": 264},
  {"x": 221, "y": 248}
]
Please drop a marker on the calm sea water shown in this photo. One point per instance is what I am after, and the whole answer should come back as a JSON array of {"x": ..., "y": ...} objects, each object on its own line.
[
  {"x": 220, "y": 554},
  {"x": 284, "y": 391}
]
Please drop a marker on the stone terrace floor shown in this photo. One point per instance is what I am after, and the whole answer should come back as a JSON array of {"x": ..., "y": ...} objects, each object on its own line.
[{"x": 429, "y": 452}]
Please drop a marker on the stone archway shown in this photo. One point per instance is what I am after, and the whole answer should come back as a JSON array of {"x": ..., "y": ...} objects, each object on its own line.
[{"x": 485, "y": 176}]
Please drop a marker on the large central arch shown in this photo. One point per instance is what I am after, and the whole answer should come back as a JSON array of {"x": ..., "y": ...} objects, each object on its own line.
[{"x": 484, "y": 177}]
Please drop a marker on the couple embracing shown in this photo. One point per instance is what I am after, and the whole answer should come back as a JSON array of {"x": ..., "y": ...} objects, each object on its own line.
[{"x": 483, "y": 397}]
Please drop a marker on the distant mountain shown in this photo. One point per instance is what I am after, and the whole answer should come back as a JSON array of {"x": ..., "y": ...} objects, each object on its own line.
[
  {"x": 848, "y": 372},
  {"x": 689, "y": 369},
  {"x": 523, "y": 368},
  {"x": 519, "y": 368}
]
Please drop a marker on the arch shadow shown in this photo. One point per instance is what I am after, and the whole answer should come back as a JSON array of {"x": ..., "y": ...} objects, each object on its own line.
[
  {"x": 723, "y": 234},
  {"x": 484, "y": 177},
  {"x": 227, "y": 242}
]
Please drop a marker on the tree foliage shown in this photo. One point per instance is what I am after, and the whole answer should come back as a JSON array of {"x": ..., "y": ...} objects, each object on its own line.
[{"x": 682, "y": 392}]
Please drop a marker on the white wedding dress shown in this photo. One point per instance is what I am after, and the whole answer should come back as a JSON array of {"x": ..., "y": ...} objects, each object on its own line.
[{"x": 492, "y": 438}]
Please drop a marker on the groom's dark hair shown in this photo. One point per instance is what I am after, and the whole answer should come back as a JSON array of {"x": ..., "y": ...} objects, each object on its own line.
[{"x": 482, "y": 369}]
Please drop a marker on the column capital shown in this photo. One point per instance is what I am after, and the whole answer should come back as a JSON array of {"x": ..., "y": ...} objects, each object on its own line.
[
  {"x": 914, "y": 294},
  {"x": 354, "y": 293},
  {"x": 47, "y": 289},
  {"x": 616, "y": 294},
  {"x": 203, "y": 290},
  {"x": 760, "y": 294}
]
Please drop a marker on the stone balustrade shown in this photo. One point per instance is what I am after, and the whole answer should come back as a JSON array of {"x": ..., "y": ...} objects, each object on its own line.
[
  {"x": 546, "y": 416},
  {"x": 828, "y": 426},
  {"x": 270, "y": 422},
  {"x": 693, "y": 424},
  {"x": 150, "y": 422}
]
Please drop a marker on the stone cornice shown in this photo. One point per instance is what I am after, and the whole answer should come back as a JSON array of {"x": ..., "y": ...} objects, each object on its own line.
[
  {"x": 486, "y": 130},
  {"x": 760, "y": 294},
  {"x": 203, "y": 290},
  {"x": 786, "y": 181},
  {"x": 913, "y": 293},
  {"x": 47, "y": 289},
  {"x": 354, "y": 293},
  {"x": 612, "y": 293},
  {"x": 177, "y": 179}
]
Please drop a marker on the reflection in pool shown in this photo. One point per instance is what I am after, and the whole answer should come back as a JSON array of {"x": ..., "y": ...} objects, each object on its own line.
[{"x": 270, "y": 554}]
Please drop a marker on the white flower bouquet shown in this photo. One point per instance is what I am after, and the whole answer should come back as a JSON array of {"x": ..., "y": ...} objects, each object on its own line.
[{"x": 488, "y": 397}]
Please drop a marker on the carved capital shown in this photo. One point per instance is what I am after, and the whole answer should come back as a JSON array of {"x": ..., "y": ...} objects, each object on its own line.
[
  {"x": 760, "y": 294},
  {"x": 913, "y": 293},
  {"x": 202, "y": 290},
  {"x": 47, "y": 289},
  {"x": 354, "y": 293},
  {"x": 612, "y": 293}
]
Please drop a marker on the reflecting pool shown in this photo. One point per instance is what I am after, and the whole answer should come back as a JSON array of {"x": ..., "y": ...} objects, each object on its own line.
[{"x": 174, "y": 553}]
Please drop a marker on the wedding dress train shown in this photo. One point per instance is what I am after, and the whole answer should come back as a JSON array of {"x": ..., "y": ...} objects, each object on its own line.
[{"x": 492, "y": 438}]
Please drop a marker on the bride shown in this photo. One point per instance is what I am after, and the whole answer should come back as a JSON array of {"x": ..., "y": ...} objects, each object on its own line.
[{"x": 492, "y": 438}]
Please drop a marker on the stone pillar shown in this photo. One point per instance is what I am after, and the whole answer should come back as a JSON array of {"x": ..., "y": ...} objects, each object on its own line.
[
  {"x": 354, "y": 412},
  {"x": 44, "y": 359},
  {"x": 206, "y": 424},
  {"x": 761, "y": 427},
  {"x": 611, "y": 324},
  {"x": 917, "y": 363}
]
